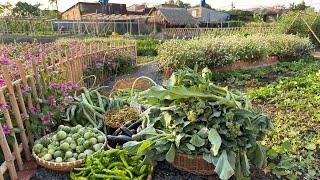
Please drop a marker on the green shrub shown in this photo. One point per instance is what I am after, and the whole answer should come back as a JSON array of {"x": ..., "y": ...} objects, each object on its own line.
[
  {"x": 148, "y": 47},
  {"x": 223, "y": 50}
]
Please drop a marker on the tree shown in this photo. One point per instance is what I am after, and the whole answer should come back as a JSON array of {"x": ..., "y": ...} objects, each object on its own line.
[
  {"x": 54, "y": 2},
  {"x": 26, "y": 9},
  {"x": 170, "y": 2},
  {"x": 205, "y": 6},
  {"x": 181, "y": 4},
  {"x": 6, "y": 9},
  {"x": 298, "y": 7}
]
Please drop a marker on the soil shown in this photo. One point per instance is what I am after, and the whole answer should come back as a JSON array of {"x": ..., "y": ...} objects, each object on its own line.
[
  {"x": 163, "y": 171},
  {"x": 149, "y": 69}
]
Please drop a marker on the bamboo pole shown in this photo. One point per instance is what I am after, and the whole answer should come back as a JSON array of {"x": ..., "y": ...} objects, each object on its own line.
[
  {"x": 16, "y": 111},
  {"x": 7, "y": 155},
  {"x": 34, "y": 92},
  {"x": 310, "y": 28},
  {"x": 29, "y": 99},
  {"x": 37, "y": 77},
  {"x": 9, "y": 124},
  {"x": 25, "y": 114}
]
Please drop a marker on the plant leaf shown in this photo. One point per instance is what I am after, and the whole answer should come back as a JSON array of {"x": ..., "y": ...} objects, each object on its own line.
[
  {"x": 223, "y": 167},
  {"x": 190, "y": 146},
  {"x": 178, "y": 139},
  {"x": 215, "y": 141},
  {"x": 171, "y": 154},
  {"x": 167, "y": 118},
  {"x": 197, "y": 141},
  {"x": 144, "y": 146}
]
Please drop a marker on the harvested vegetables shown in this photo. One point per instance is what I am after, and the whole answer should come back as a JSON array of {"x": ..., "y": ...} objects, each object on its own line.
[
  {"x": 117, "y": 117},
  {"x": 69, "y": 144},
  {"x": 193, "y": 116},
  {"x": 112, "y": 164},
  {"x": 124, "y": 133},
  {"x": 89, "y": 107}
]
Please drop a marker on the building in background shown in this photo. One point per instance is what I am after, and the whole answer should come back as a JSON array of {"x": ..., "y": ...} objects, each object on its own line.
[
  {"x": 208, "y": 16},
  {"x": 83, "y": 8},
  {"x": 171, "y": 17}
]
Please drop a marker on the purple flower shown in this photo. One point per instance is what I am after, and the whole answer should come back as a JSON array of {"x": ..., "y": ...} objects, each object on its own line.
[
  {"x": 68, "y": 99},
  {"x": 52, "y": 100},
  {"x": 6, "y": 130},
  {"x": 2, "y": 82},
  {"x": 5, "y": 106},
  {"x": 64, "y": 88},
  {"x": 27, "y": 55},
  {"x": 45, "y": 119},
  {"x": 75, "y": 86},
  {"x": 33, "y": 110},
  {"x": 36, "y": 59},
  {"x": 50, "y": 113},
  {"x": 5, "y": 61},
  {"x": 25, "y": 89},
  {"x": 60, "y": 108},
  {"x": 55, "y": 86},
  {"x": 69, "y": 83}
]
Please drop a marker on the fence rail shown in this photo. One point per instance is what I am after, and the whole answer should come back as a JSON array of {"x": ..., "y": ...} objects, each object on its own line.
[
  {"x": 194, "y": 32},
  {"x": 72, "y": 67}
]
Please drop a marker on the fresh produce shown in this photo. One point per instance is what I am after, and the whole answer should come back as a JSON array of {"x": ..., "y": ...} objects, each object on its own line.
[
  {"x": 90, "y": 106},
  {"x": 124, "y": 133},
  {"x": 112, "y": 164},
  {"x": 69, "y": 144},
  {"x": 191, "y": 115},
  {"x": 120, "y": 116}
]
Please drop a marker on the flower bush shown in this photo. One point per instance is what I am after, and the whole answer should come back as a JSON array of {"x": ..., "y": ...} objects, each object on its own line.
[{"x": 223, "y": 50}]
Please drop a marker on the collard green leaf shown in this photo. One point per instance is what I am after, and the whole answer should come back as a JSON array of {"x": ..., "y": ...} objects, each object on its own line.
[
  {"x": 190, "y": 146},
  {"x": 145, "y": 133},
  {"x": 171, "y": 154},
  {"x": 197, "y": 141},
  {"x": 131, "y": 146},
  {"x": 215, "y": 141},
  {"x": 167, "y": 118},
  {"x": 245, "y": 167},
  {"x": 144, "y": 146},
  {"x": 223, "y": 167},
  {"x": 178, "y": 139},
  {"x": 203, "y": 133},
  {"x": 210, "y": 158},
  {"x": 258, "y": 156}
]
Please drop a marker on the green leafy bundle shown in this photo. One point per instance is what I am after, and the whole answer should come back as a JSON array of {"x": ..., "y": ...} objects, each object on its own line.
[{"x": 191, "y": 115}]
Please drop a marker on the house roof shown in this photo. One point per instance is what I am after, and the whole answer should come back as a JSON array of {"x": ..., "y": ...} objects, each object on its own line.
[
  {"x": 177, "y": 16},
  {"x": 211, "y": 16}
]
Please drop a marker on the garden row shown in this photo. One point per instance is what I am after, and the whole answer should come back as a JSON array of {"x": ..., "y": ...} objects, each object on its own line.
[
  {"x": 224, "y": 50},
  {"x": 289, "y": 93}
]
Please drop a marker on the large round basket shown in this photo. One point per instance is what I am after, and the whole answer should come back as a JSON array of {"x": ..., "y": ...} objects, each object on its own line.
[
  {"x": 64, "y": 166},
  {"x": 196, "y": 165}
]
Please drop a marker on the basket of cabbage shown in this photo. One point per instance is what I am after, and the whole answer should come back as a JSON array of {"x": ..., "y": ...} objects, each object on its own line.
[{"x": 68, "y": 147}]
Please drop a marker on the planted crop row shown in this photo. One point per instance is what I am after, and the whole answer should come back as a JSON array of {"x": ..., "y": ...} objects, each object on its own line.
[{"x": 224, "y": 50}]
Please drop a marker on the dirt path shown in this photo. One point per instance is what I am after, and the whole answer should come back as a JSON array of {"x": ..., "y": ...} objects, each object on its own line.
[{"x": 149, "y": 69}]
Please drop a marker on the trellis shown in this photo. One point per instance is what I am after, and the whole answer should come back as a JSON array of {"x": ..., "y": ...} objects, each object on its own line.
[
  {"x": 71, "y": 66},
  {"x": 309, "y": 26}
]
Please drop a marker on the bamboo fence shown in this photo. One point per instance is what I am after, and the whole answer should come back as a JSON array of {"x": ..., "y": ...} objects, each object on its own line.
[
  {"x": 71, "y": 67},
  {"x": 194, "y": 32}
]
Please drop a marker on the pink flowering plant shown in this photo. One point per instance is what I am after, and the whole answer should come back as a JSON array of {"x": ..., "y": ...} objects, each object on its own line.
[{"x": 57, "y": 97}]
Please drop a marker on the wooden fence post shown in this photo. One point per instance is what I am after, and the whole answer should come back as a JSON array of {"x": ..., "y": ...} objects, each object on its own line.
[
  {"x": 10, "y": 126},
  {"x": 7, "y": 155},
  {"x": 17, "y": 114}
]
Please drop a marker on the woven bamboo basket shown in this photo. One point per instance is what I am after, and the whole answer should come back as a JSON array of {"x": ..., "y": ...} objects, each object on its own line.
[
  {"x": 141, "y": 83},
  {"x": 196, "y": 165},
  {"x": 116, "y": 125},
  {"x": 64, "y": 166}
]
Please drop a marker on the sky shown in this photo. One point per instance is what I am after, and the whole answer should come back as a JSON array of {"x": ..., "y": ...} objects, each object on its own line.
[{"x": 218, "y": 4}]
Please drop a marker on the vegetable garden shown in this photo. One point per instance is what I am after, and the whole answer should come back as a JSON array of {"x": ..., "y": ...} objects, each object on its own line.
[{"x": 258, "y": 123}]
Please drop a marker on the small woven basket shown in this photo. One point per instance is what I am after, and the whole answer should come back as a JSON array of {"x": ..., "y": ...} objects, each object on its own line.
[
  {"x": 64, "y": 166},
  {"x": 196, "y": 165},
  {"x": 132, "y": 83},
  {"x": 116, "y": 125}
]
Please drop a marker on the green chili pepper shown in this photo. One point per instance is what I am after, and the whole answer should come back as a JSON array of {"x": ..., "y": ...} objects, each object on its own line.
[
  {"x": 114, "y": 164},
  {"x": 124, "y": 160}
]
